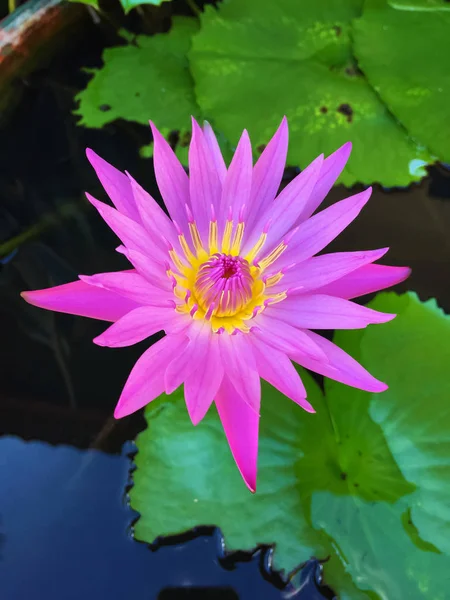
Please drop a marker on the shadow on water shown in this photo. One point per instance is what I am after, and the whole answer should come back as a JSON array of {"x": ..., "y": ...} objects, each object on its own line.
[{"x": 66, "y": 534}]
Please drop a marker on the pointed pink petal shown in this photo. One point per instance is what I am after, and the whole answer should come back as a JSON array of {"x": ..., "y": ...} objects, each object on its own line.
[
  {"x": 318, "y": 271},
  {"x": 79, "y": 298},
  {"x": 340, "y": 367},
  {"x": 135, "y": 326},
  {"x": 202, "y": 384},
  {"x": 133, "y": 235},
  {"x": 365, "y": 280},
  {"x": 214, "y": 149},
  {"x": 187, "y": 361},
  {"x": 241, "y": 424},
  {"x": 204, "y": 184},
  {"x": 146, "y": 380},
  {"x": 116, "y": 185},
  {"x": 276, "y": 368},
  {"x": 172, "y": 179},
  {"x": 283, "y": 336},
  {"x": 267, "y": 173},
  {"x": 332, "y": 168},
  {"x": 238, "y": 181},
  {"x": 318, "y": 311},
  {"x": 153, "y": 217},
  {"x": 321, "y": 229},
  {"x": 240, "y": 367},
  {"x": 131, "y": 285},
  {"x": 152, "y": 271},
  {"x": 283, "y": 212}
]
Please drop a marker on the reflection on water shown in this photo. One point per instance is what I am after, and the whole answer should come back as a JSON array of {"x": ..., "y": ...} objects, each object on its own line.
[{"x": 65, "y": 528}]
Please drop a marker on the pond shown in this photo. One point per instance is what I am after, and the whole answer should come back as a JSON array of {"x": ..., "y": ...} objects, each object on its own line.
[{"x": 66, "y": 526}]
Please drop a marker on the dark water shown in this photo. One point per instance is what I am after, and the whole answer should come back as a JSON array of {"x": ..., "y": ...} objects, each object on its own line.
[
  {"x": 64, "y": 519},
  {"x": 65, "y": 534}
]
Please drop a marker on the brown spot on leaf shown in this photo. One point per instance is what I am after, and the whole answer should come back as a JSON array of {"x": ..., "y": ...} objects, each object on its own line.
[
  {"x": 323, "y": 109},
  {"x": 347, "y": 110},
  {"x": 104, "y": 107},
  {"x": 343, "y": 476}
]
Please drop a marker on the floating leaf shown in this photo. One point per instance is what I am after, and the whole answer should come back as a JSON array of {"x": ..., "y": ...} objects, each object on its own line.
[
  {"x": 126, "y": 4},
  {"x": 415, "y": 412},
  {"x": 148, "y": 80},
  {"x": 254, "y": 61},
  {"x": 420, "y": 4},
  {"x": 328, "y": 484},
  {"x": 129, "y": 4},
  {"x": 403, "y": 50}
]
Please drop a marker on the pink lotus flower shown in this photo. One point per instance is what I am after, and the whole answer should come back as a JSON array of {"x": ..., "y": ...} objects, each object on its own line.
[{"x": 233, "y": 280}]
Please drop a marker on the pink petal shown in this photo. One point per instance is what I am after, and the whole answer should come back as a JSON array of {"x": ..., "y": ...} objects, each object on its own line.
[
  {"x": 214, "y": 150},
  {"x": 79, "y": 298},
  {"x": 340, "y": 366},
  {"x": 135, "y": 326},
  {"x": 321, "y": 229},
  {"x": 146, "y": 380},
  {"x": 187, "y": 361},
  {"x": 240, "y": 367},
  {"x": 267, "y": 173},
  {"x": 241, "y": 424},
  {"x": 283, "y": 336},
  {"x": 116, "y": 185},
  {"x": 172, "y": 179},
  {"x": 153, "y": 272},
  {"x": 132, "y": 286},
  {"x": 276, "y": 368},
  {"x": 238, "y": 181},
  {"x": 318, "y": 311},
  {"x": 204, "y": 184},
  {"x": 133, "y": 235},
  {"x": 331, "y": 169},
  {"x": 202, "y": 384},
  {"x": 153, "y": 217},
  {"x": 365, "y": 280},
  {"x": 320, "y": 270},
  {"x": 284, "y": 211}
]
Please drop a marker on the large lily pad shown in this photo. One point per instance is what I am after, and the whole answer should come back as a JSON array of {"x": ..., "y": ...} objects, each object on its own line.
[
  {"x": 254, "y": 61},
  {"x": 403, "y": 49},
  {"x": 364, "y": 481},
  {"x": 146, "y": 80}
]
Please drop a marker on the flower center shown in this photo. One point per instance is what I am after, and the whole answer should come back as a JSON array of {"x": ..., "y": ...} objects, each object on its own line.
[
  {"x": 223, "y": 285},
  {"x": 213, "y": 282}
]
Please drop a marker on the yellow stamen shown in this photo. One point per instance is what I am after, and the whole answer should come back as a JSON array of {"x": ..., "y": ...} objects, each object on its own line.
[
  {"x": 277, "y": 297},
  {"x": 237, "y": 239},
  {"x": 195, "y": 235},
  {"x": 187, "y": 251},
  {"x": 176, "y": 260},
  {"x": 272, "y": 257},
  {"x": 273, "y": 279},
  {"x": 226, "y": 240},
  {"x": 256, "y": 248},
  {"x": 213, "y": 237}
]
